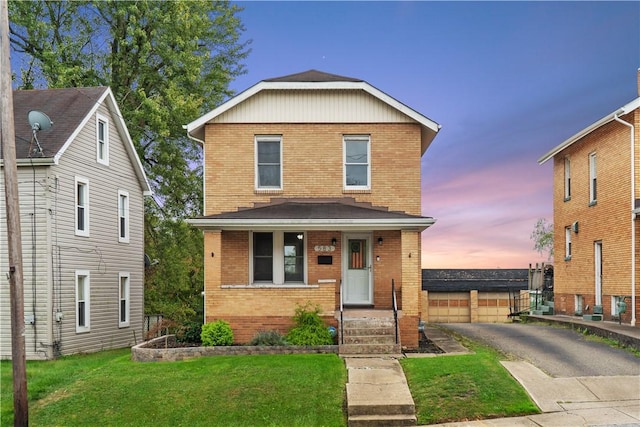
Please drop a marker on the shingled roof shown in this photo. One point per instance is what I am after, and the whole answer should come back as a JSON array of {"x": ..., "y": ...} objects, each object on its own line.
[
  {"x": 313, "y": 76},
  {"x": 66, "y": 108},
  {"x": 464, "y": 280},
  {"x": 307, "y": 213}
]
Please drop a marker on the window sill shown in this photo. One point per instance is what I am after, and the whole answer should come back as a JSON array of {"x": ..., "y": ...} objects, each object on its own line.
[
  {"x": 567, "y": 199},
  {"x": 269, "y": 286},
  {"x": 567, "y": 258},
  {"x": 268, "y": 191},
  {"x": 593, "y": 203},
  {"x": 356, "y": 191}
]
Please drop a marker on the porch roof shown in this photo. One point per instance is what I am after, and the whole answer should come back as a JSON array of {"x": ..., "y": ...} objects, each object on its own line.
[{"x": 313, "y": 214}]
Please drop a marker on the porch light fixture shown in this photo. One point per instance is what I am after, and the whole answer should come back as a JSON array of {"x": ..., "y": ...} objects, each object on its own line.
[
  {"x": 380, "y": 240},
  {"x": 334, "y": 241}
]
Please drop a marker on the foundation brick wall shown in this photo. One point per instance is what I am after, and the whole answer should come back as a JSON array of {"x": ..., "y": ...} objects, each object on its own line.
[{"x": 608, "y": 221}]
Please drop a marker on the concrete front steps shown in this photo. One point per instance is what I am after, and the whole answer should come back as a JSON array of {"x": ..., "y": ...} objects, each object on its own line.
[
  {"x": 378, "y": 394},
  {"x": 544, "y": 310},
  {"x": 367, "y": 332}
]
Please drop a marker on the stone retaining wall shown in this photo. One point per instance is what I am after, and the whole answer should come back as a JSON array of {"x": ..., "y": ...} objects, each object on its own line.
[{"x": 149, "y": 352}]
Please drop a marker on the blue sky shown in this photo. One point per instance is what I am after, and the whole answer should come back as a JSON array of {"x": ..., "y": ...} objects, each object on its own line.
[{"x": 507, "y": 81}]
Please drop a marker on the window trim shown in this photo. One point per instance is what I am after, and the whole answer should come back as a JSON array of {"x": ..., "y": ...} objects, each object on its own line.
[
  {"x": 105, "y": 159},
  {"x": 266, "y": 138},
  {"x": 567, "y": 179},
  {"x": 86, "y": 207},
  {"x": 593, "y": 179},
  {"x": 127, "y": 299},
  {"x": 278, "y": 274},
  {"x": 125, "y": 194},
  {"x": 356, "y": 138},
  {"x": 567, "y": 243},
  {"x": 87, "y": 301}
]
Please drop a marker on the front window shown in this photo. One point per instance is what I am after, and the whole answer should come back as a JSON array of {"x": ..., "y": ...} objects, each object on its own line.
[
  {"x": 593, "y": 179},
  {"x": 123, "y": 216},
  {"x": 82, "y": 206},
  {"x": 269, "y": 162},
  {"x": 567, "y": 243},
  {"x": 82, "y": 301},
  {"x": 123, "y": 307},
  {"x": 357, "y": 171},
  {"x": 102, "y": 139},
  {"x": 278, "y": 257}
]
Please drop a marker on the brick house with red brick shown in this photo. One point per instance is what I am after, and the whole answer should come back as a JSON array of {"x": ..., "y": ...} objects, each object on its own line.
[
  {"x": 596, "y": 201},
  {"x": 312, "y": 193}
]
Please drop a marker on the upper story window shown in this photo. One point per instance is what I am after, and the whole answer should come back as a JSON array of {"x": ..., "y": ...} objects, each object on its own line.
[
  {"x": 82, "y": 301},
  {"x": 567, "y": 243},
  {"x": 357, "y": 167},
  {"x": 567, "y": 179},
  {"x": 102, "y": 139},
  {"x": 269, "y": 162},
  {"x": 278, "y": 257},
  {"x": 593, "y": 180},
  {"x": 123, "y": 306},
  {"x": 82, "y": 206},
  {"x": 123, "y": 216}
]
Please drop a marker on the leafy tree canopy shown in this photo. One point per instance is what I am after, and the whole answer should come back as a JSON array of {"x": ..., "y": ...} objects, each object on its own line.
[
  {"x": 167, "y": 62},
  {"x": 542, "y": 236}
]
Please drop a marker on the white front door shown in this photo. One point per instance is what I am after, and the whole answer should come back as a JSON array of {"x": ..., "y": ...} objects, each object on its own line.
[
  {"x": 598, "y": 267},
  {"x": 356, "y": 259}
]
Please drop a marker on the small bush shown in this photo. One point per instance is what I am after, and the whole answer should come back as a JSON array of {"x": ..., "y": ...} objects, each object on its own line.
[
  {"x": 190, "y": 332},
  {"x": 268, "y": 338},
  {"x": 216, "y": 333},
  {"x": 309, "y": 328}
]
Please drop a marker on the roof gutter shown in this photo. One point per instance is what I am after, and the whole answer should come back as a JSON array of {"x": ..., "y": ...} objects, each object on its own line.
[
  {"x": 418, "y": 224},
  {"x": 633, "y": 217}
]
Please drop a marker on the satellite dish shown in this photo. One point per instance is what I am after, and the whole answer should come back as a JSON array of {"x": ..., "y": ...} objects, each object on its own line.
[{"x": 39, "y": 120}]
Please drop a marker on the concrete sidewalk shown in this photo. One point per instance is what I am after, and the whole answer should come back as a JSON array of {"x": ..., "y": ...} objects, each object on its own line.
[{"x": 569, "y": 402}]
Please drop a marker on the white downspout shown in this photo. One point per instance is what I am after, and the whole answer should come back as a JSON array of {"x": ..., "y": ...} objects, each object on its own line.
[{"x": 633, "y": 215}]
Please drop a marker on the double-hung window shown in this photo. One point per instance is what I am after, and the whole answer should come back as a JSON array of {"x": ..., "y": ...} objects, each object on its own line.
[
  {"x": 567, "y": 179},
  {"x": 102, "y": 139},
  {"x": 83, "y": 304},
  {"x": 123, "y": 306},
  {"x": 123, "y": 216},
  {"x": 269, "y": 162},
  {"x": 567, "y": 243},
  {"x": 278, "y": 257},
  {"x": 593, "y": 180},
  {"x": 82, "y": 206},
  {"x": 357, "y": 165}
]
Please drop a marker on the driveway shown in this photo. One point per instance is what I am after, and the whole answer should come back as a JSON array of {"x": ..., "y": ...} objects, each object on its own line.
[{"x": 560, "y": 352}]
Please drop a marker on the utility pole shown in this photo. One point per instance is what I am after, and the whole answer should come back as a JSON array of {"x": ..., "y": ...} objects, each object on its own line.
[{"x": 14, "y": 241}]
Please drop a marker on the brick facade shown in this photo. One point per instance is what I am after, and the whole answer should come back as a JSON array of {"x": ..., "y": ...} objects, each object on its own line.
[{"x": 607, "y": 221}]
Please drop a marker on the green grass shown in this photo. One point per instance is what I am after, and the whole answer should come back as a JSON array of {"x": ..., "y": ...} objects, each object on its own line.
[
  {"x": 466, "y": 387},
  {"x": 108, "y": 389}
]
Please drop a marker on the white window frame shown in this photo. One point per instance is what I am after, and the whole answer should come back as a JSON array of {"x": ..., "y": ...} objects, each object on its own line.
[
  {"x": 104, "y": 159},
  {"x": 84, "y": 182},
  {"x": 356, "y": 138},
  {"x": 267, "y": 138},
  {"x": 567, "y": 179},
  {"x": 278, "y": 259},
  {"x": 124, "y": 297},
  {"x": 123, "y": 215},
  {"x": 593, "y": 179},
  {"x": 86, "y": 284},
  {"x": 567, "y": 243}
]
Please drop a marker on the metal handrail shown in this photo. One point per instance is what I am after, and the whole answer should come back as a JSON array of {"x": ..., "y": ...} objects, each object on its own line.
[
  {"x": 341, "y": 313},
  {"x": 394, "y": 303}
]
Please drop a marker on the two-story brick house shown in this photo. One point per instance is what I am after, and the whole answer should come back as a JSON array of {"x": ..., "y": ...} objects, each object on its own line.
[
  {"x": 81, "y": 190},
  {"x": 312, "y": 193},
  {"x": 596, "y": 200}
]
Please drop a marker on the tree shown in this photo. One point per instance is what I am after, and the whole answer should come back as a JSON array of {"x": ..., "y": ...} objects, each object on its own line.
[
  {"x": 167, "y": 62},
  {"x": 542, "y": 236}
]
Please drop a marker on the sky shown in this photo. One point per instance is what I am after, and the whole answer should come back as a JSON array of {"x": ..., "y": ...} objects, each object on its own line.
[{"x": 507, "y": 81}]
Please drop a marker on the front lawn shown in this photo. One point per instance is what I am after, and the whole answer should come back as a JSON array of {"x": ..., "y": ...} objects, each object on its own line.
[
  {"x": 109, "y": 389},
  {"x": 466, "y": 387}
]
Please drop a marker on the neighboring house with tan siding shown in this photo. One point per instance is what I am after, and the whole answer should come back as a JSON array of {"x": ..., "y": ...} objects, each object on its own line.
[
  {"x": 82, "y": 214},
  {"x": 596, "y": 201},
  {"x": 312, "y": 193}
]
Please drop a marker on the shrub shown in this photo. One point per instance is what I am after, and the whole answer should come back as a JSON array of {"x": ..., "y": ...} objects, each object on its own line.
[
  {"x": 190, "y": 332},
  {"x": 216, "y": 333},
  {"x": 268, "y": 338},
  {"x": 309, "y": 328}
]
